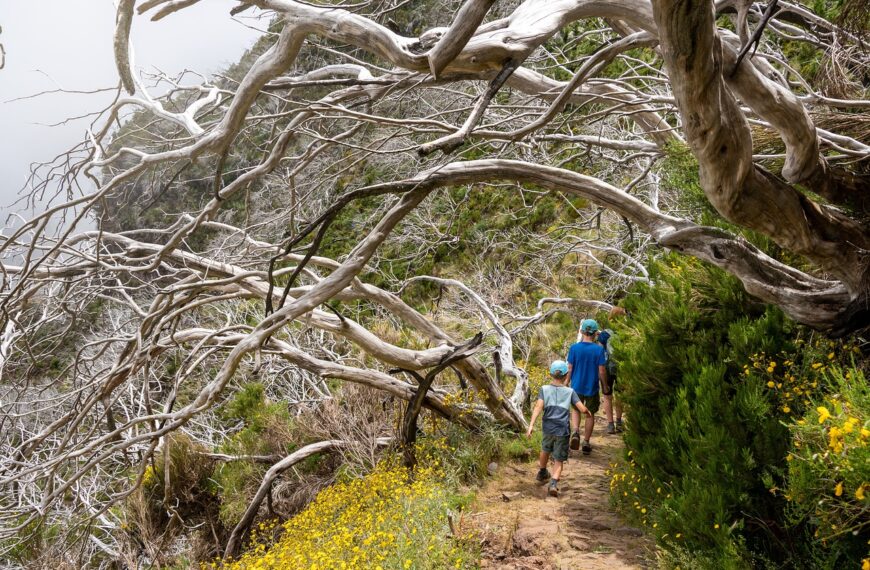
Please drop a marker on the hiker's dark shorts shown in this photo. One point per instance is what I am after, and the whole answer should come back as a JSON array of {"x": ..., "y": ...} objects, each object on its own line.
[
  {"x": 556, "y": 445},
  {"x": 611, "y": 385},
  {"x": 591, "y": 402}
]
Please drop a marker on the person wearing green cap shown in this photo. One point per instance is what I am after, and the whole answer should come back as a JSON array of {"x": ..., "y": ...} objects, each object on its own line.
[{"x": 586, "y": 367}]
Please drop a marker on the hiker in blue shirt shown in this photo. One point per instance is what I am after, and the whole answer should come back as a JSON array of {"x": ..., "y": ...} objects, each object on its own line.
[
  {"x": 586, "y": 365},
  {"x": 557, "y": 401}
]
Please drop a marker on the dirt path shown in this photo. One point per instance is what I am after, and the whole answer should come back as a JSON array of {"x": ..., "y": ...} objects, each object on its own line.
[{"x": 524, "y": 528}]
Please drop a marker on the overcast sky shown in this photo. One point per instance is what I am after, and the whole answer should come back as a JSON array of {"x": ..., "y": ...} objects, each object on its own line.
[{"x": 68, "y": 43}]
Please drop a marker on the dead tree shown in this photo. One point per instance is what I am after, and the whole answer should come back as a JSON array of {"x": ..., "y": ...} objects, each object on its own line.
[{"x": 501, "y": 100}]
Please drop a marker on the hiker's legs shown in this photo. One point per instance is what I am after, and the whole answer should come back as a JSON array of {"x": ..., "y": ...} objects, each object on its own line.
[
  {"x": 593, "y": 403},
  {"x": 587, "y": 428},
  {"x": 575, "y": 419},
  {"x": 617, "y": 403},
  {"x": 557, "y": 469},
  {"x": 560, "y": 455},
  {"x": 543, "y": 459},
  {"x": 608, "y": 408}
]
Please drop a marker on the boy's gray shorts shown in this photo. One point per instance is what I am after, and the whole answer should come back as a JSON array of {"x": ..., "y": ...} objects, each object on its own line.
[{"x": 557, "y": 445}]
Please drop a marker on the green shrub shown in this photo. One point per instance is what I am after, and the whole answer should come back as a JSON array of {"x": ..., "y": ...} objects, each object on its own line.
[
  {"x": 828, "y": 489},
  {"x": 267, "y": 431},
  {"x": 713, "y": 380}
]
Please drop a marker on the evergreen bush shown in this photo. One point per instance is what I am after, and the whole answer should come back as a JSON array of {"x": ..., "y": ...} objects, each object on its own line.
[{"x": 715, "y": 382}]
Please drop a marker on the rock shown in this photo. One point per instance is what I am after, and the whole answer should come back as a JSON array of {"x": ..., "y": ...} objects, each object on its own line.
[
  {"x": 532, "y": 563},
  {"x": 509, "y": 496},
  {"x": 628, "y": 531},
  {"x": 593, "y": 525},
  {"x": 534, "y": 539},
  {"x": 492, "y": 468}
]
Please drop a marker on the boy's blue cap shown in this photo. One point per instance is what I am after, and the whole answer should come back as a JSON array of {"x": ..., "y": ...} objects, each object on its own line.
[
  {"x": 588, "y": 326},
  {"x": 558, "y": 368},
  {"x": 603, "y": 337}
]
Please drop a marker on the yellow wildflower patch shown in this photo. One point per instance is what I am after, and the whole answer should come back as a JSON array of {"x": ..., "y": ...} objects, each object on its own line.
[
  {"x": 386, "y": 519},
  {"x": 824, "y": 414}
]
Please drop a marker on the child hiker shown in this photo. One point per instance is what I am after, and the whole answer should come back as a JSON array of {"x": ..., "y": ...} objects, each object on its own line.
[{"x": 557, "y": 401}]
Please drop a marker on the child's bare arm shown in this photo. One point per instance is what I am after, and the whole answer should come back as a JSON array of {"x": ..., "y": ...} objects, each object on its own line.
[
  {"x": 539, "y": 406},
  {"x": 583, "y": 409}
]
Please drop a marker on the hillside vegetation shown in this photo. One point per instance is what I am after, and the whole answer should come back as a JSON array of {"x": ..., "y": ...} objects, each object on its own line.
[{"x": 327, "y": 284}]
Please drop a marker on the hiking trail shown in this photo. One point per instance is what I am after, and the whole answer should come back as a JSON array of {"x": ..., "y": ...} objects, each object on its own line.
[{"x": 524, "y": 528}]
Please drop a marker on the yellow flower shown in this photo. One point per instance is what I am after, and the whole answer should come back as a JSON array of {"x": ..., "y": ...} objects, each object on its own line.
[
  {"x": 770, "y": 384},
  {"x": 865, "y": 433},
  {"x": 859, "y": 494},
  {"x": 865, "y": 564},
  {"x": 786, "y": 409},
  {"x": 830, "y": 356},
  {"x": 838, "y": 490},
  {"x": 824, "y": 414},
  {"x": 716, "y": 525}
]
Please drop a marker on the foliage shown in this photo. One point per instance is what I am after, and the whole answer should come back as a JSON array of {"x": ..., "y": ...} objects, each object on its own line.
[
  {"x": 267, "y": 430},
  {"x": 186, "y": 470},
  {"x": 464, "y": 456},
  {"x": 714, "y": 381},
  {"x": 828, "y": 485},
  {"x": 391, "y": 518}
]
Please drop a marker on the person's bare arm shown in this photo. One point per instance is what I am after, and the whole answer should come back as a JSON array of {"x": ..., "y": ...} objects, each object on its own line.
[
  {"x": 583, "y": 409},
  {"x": 539, "y": 406}
]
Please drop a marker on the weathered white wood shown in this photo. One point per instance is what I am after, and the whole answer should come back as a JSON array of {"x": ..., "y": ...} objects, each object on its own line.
[
  {"x": 123, "y": 22},
  {"x": 465, "y": 24},
  {"x": 805, "y": 298},
  {"x": 718, "y": 133}
]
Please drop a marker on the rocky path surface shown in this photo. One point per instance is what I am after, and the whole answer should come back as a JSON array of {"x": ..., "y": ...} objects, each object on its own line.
[{"x": 523, "y": 528}]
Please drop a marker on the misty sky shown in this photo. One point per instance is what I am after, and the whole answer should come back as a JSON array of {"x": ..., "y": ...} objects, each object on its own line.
[{"x": 68, "y": 43}]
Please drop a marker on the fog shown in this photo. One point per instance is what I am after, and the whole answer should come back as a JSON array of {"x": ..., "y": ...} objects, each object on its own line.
[{"x": 67, "y": 44}]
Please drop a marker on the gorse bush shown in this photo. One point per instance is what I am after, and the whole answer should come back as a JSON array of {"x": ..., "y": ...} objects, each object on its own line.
[
  {"x": 828, "y": 488},
  {"x": 714, "y": 382}
]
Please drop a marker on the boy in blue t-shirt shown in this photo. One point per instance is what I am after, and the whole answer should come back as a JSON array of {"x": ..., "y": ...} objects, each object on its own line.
[
  {"x": 557, "y": 401},
  {"x": 587, "y": 367}
]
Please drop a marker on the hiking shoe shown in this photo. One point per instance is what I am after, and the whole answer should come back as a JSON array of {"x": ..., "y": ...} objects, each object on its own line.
[
  {"x": 611, "y": 429},
  {"x": 543, "y": 475},
  {"x": 619, "y": 427},
  {"x": 574, "y": 442},
  {"x": 587, "y": 448},
  {"x": 553, "y": 490}
]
